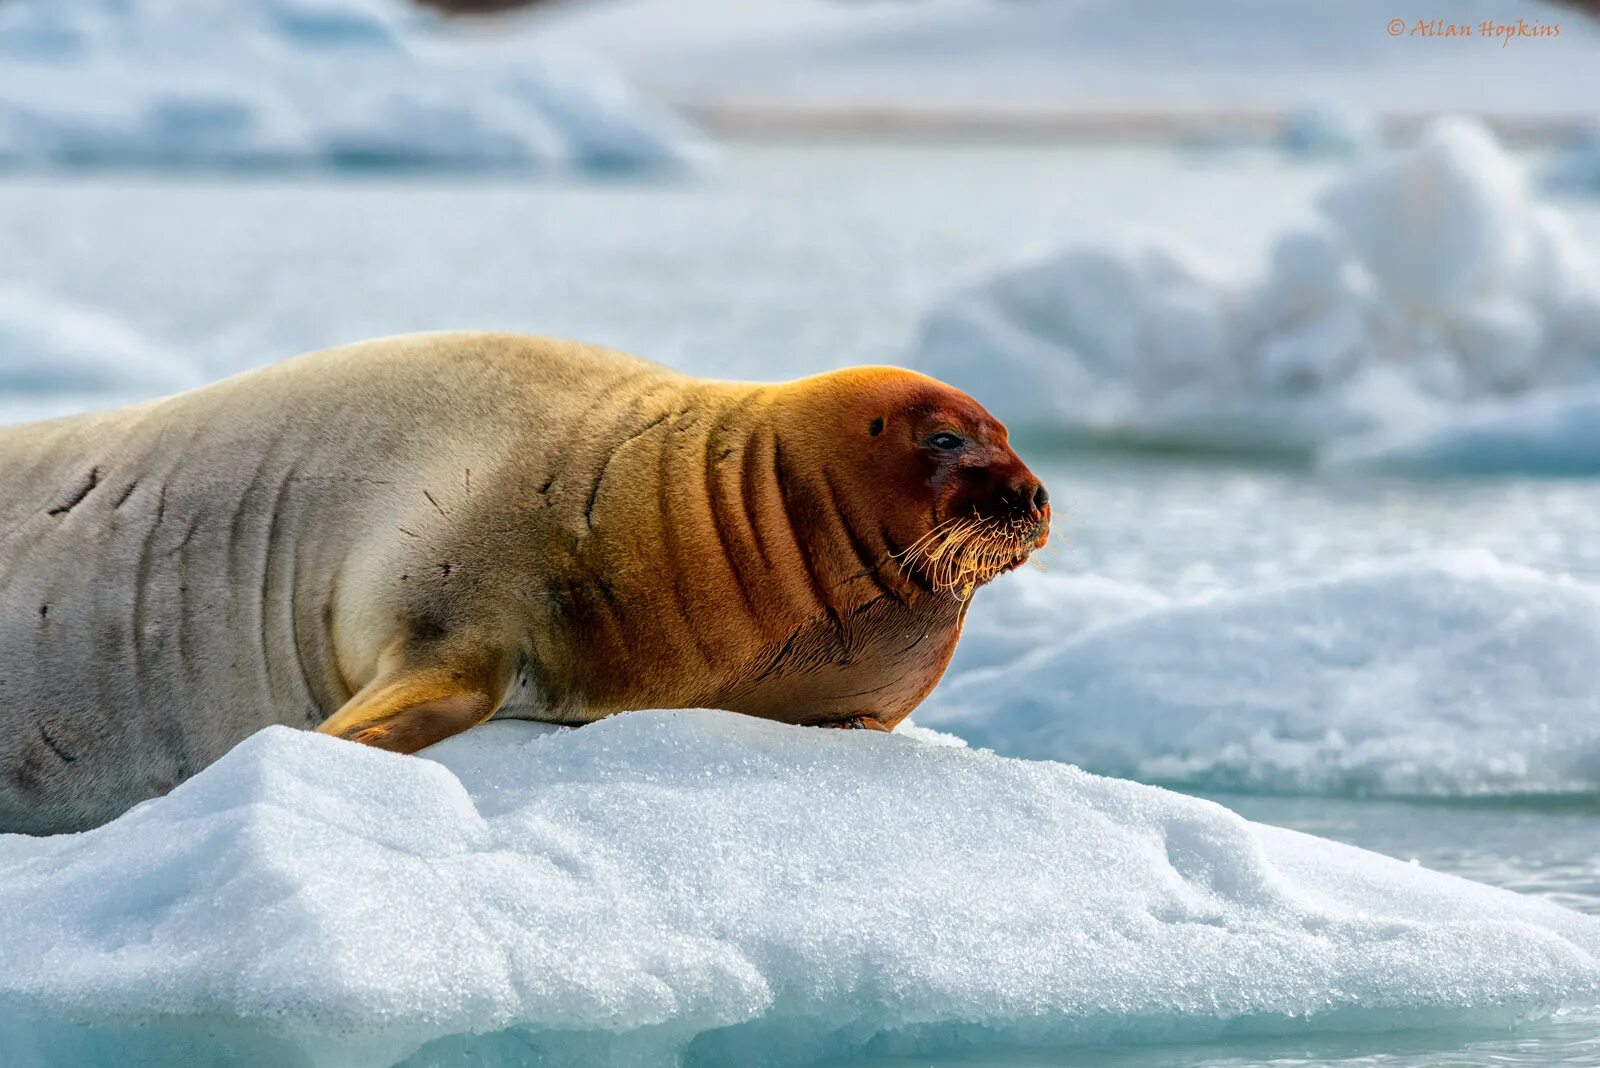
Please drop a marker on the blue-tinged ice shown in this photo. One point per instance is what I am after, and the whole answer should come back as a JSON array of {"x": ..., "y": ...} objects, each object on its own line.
[
  {"x": 1434, "y": 286},
  {"x": 57, "y": 357},
  {"x": 298, "y": 83},
  {"x": 1441, "y": 674}
]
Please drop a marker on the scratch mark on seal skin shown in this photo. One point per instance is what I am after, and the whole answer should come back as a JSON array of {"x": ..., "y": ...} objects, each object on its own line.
[
  {"x": 914, "y": 644},
  {"x": 141, "y": 582},
  {"x": 120, "y": 501},
  {"x": 436, "y": 505},
  {"x": 66, "y": 757},
  {"x": 188, "y": 536},
  {"x": 818, "y": 591},
  {"x": 468, "y": 471},
  {"x": 594, "y": 491},
  {"x": 301, "y": 647},
  {"x": 782, "y": 654},
  {"x": 715, "y": 504},
  {"x": 270, "y": 550},
  {"x": 863, "y": 693},
  {"x": 406, "y": 532},
  {"x": 669, "y": 545},
  {"x": 863, "y": 553},
  {"x": 749, "y": 487},
  {"x": 90, "y": 481}
]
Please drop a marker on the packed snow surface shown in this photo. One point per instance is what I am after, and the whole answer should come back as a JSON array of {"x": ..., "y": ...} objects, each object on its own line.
[
  {"x": 1443, "y": 674},
  {"x": 727, "y": 890},
  {"x": 299, "y": 82},
  {"x": 1434, "y": 284}
]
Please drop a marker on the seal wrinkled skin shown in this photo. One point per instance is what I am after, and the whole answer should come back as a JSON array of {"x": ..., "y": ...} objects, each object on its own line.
[{"x": 396, "y": 540}]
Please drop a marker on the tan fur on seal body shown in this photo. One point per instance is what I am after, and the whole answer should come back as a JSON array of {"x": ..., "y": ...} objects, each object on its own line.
[{"x": 399, "y": 539}]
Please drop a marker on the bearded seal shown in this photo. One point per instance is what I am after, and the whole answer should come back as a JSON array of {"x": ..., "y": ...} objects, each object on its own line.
[{"x": 396, "y": 540}]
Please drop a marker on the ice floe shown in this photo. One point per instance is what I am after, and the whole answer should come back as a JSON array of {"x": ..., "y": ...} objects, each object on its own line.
[
  {"x": 1443, "y": 674},
  {"x": 274, "y": 83},
  {"x": 703, "y": 888},
  {"x": 1433, "y": 284}
]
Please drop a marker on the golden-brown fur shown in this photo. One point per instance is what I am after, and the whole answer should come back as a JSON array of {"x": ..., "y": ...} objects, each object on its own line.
[{"x": 396, "y": 540}]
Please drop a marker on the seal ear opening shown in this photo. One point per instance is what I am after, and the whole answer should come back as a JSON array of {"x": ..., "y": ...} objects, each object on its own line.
[
  {"x": 875, "y": 427},
  {"x": 411, "y": 709}
]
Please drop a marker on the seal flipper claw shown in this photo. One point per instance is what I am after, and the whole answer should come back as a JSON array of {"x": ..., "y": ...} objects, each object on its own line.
[{"x": 411, "y": 708}]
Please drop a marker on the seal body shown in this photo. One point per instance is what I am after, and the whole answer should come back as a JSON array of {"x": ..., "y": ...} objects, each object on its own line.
[{"x": 396, "y": 540}]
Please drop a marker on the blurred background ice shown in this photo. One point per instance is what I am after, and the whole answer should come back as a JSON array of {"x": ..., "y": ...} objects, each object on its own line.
[{"x": 1298, "y": 318}]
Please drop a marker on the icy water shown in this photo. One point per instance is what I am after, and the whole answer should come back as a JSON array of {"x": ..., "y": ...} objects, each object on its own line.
[{"x": 796, "y": 258}]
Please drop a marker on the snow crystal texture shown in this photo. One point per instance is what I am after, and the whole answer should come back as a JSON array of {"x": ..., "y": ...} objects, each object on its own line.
[
  {"x": 724, "y": 890},
  {"x": 275, "y": 83}
]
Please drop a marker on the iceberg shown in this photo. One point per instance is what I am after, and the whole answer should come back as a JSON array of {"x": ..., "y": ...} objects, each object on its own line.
[
  {"x": 301, "y": 83},
  {"x": 1433, "y": 285},
  {"x": 1442, "y": 674},
  {"x": 706, "y": 889}
]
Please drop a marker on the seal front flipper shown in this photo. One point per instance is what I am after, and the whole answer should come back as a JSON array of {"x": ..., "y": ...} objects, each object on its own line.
[{"x": 418, "y": 700}]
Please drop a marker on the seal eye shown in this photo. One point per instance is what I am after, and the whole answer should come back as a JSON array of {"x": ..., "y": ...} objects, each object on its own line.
[{"x": 945, "y": 441}]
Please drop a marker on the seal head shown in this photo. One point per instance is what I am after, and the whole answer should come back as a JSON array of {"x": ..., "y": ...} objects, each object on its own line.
[{"x": 924, "y": 470}]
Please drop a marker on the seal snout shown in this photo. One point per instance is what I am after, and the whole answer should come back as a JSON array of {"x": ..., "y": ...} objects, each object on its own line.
[{"x": 1025, "y": 504}]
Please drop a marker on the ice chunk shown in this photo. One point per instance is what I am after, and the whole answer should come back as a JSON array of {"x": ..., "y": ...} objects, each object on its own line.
[
  {"x": 726, "y": 891},
  {"x": 1441, "y": 224},
  {"x": 57, "y": 357},
  {"x": 1542, "y": 435},
  {"x": 1444, "y": 674},
  {"x": 270, "y": 83},
  {"x": 1327, "y": 129},
  {"x": 1576, "y": 167},
  {"x": 1433, "y": 284}
]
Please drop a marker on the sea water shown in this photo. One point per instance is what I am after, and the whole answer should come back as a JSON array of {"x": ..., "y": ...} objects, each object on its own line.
[{"x": 795, "y": 258}]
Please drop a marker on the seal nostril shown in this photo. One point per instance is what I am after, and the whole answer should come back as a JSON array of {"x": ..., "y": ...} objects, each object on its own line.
[{"x": 1041, "y": 497}]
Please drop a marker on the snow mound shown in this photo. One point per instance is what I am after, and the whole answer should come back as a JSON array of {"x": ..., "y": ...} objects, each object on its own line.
[
  {"x": 56, "y": 357},
  {"x": 1433, "y": 283},
  {"x": 1436, "y": 675},
  {"x": 707, "y": 889},
  {"x": 255, "y": 83}
]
